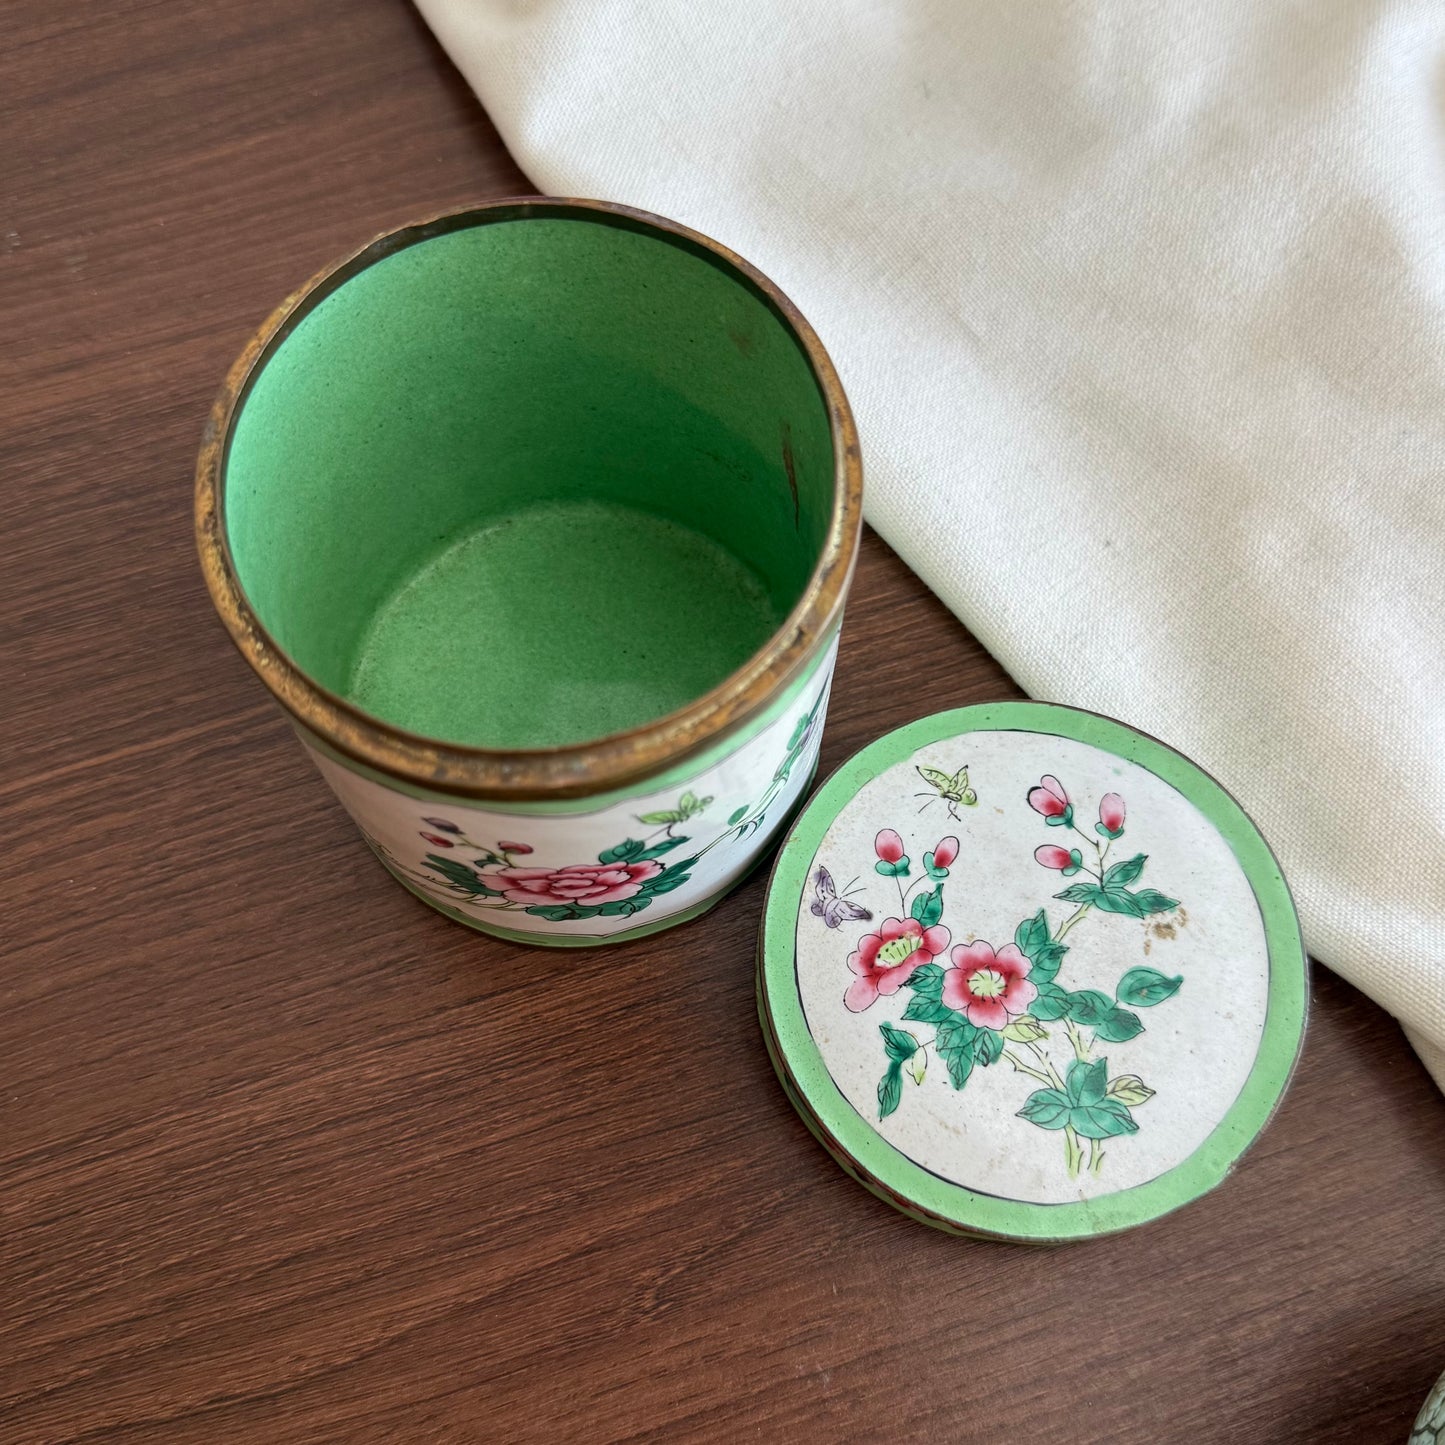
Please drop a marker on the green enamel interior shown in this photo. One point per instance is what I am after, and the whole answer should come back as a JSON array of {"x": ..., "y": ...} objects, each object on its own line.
[{"x": 530, "y": 482}]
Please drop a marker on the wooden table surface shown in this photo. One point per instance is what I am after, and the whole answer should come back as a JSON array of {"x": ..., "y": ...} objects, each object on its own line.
[{"x": 286, "y": 1156}]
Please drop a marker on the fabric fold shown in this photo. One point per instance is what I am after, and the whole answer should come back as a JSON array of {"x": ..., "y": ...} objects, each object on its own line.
[{"x": 1141, "y": 312}]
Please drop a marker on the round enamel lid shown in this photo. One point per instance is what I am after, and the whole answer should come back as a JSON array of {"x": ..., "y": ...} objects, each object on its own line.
[{"x": 1028, "y": 973}]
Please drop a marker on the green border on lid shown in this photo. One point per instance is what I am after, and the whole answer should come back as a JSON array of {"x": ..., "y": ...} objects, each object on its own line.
[{"x": 890, "y": 1174}]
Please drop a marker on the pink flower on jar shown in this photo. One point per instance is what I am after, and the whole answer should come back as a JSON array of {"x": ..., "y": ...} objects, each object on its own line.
[
  {"x": 589, "y": 884},
  {"x": 521, "y": 848},
  {"x": 1111, "y": 815},
  {"x": 988, "y": 988},
  {"x": 885, "y": 960},
  {"x": 438, "y": 841}
]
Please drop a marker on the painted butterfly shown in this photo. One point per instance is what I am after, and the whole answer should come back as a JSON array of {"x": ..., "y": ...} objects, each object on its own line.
[
  {"x": 953, "y": 790},
  {"x": 833, "y": 910}
]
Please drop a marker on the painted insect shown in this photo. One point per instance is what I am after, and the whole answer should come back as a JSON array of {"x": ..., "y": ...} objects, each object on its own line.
[
  {"x": 829, "y": 906},
  {"x": 953, "y": 790},
  {"x": 689, "y": 806}
]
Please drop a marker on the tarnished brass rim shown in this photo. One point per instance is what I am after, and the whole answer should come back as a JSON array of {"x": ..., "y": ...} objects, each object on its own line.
[{"x": 529, "y": 775}]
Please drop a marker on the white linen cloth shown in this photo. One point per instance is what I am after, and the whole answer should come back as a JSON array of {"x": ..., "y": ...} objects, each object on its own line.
[{"x": 1139, "y": 306}]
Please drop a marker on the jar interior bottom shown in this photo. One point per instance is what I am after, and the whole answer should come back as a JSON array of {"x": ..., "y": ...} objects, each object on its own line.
[{"x": 556, "y": 624}]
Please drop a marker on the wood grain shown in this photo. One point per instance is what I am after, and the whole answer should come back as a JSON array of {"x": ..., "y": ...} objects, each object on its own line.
[{"x": 284, "y": 1155}]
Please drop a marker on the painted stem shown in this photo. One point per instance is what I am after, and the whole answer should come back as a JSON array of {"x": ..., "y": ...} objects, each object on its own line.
[
  {"x": 1072, "y": 919},
  {"x": 1024, "y": 1068},
  {"x": 1097, "y": 871},
  {"x": 1096, "y": 1157},
  {"x": 1043, "y": 1058},
  {"x": 1073, "y": 1151},
  {"x": 1077, "y": 1040},
  {"x": 1101, "y": 852},
  {"x": 923, "y": 878},
  {"x": 736, "y": 829}
]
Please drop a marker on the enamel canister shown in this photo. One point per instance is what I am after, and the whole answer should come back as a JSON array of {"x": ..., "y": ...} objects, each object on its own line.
[{"x": 538, "y": 520}]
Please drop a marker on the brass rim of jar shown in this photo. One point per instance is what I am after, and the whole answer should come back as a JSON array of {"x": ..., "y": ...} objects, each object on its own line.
[{"x": 532, "y": 774}]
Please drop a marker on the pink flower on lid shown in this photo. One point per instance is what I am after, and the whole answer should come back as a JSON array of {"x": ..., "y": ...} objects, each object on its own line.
[
  {"x": 988, "y": 988},
  {"x": 1067, "y": 860},
  {"x": 1052, "y": 857},
  {"x": 945, "y": 852},
  {"x": 1049, "y": 798},
  {"x": 1111, "y": 815},
  {"x": 885, "y": 960},
  {"x": 888, "y": 845},
  {"x": 522, "y": 848}
]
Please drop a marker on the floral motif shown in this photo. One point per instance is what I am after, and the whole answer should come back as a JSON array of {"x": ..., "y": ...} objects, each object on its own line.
[
  {"x": 989, "y": 1003},
  {"x": 1111, "y": 816},
  {"x": 892, "y": 860},
  {"x": 886, "y": 959},
  {"x": 625, "y": 878},
  {"x": 989, "y": 989},
  {"x": 1067, "y": 860},
  {"x": 1050, "y": 799},
  {"x": 590, "y": 884}
]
